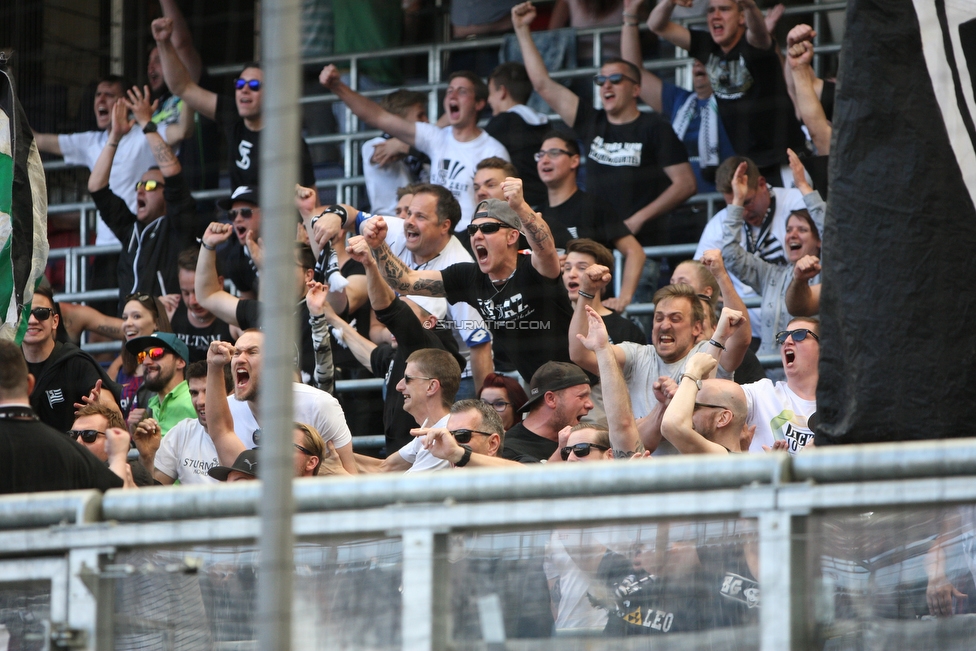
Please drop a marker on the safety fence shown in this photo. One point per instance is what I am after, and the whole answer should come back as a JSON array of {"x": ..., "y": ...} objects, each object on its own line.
[{"x": 853, "y": 547}]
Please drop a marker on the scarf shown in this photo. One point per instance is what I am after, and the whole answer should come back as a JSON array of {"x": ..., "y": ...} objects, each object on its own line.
[{"x": 707, "y": 130}]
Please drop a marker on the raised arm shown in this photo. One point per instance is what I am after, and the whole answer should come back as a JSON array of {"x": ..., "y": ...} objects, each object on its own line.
[
  {"x": 562, "y": 100},
  {"x": 182, "y": 40},
  {"x": 802, "y": 298},
  {"x": 807, "y": 87},
  {"x": 398, "y": 275},
  {"x": 748, "y": 268},
  {"x": 380, "y": 294},
  {"x": 319, "y": 307},
  {"x": 731, "y": 338},
  {"x": 220, "y": 422},
  {"x": 630, "y": 50},
  {"x": 137, "y": 101},
  {"x": 739, "y": 340},
  {"x": 661, "y": 24},
  {"x": 210, "y": 293},
  {"x": 178, "y": 79},
  {"x": 634, "y": 258},
  {"x": 545, "y": 260},
  {"x": 757, "y": 34},
  {"x": 366, "y": 109},
  {"x": 592, "y": 281},
  {"x": 77, "y": 318},
  {"x": 683, "y": 185},
  {"x": 616, "y": 396},
  {"x": 677, "y": 425},
  {"x": 102, "y": 169}
]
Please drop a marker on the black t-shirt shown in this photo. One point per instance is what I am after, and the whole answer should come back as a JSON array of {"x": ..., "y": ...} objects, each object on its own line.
[
  {"x": 35, "y": 457},
  {"x": 249, "y": 316},
  {"x": 528, "y": 315},
  {"x": 244, "y": 148},
  {"x": 625, "y": 162},
  {"x": 621, "y": 329},
  {"x": 68, "y": 374},
  {"x": 750, "y": 370},
  {"x": 342, "y": 357},
  {"x": 198, "y": 340},
  {"x": 525, "y": 446},
  {"x": 522, "y": 140},
  {"x": 750, "y": 90},
  {"x": 733, "y": 592},
  {"x": 582, "y": 215},
  {"x": 237, "y": 266}
]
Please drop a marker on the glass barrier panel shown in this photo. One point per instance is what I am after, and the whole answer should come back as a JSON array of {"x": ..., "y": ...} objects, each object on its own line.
[{"x": 25, "y": 608}]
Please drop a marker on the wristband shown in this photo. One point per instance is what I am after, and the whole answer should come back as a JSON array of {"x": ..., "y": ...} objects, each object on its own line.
[
  {"x": 205, "y": 245},
  {"x": 584, "y": 294},
  {"x": 716, "y": 344},
  {"x": 463, "y": 461},
  {"x": 113, "y": 144},
  {"x": 333, "y": 210},
  {"x": 150, "y": 127}
]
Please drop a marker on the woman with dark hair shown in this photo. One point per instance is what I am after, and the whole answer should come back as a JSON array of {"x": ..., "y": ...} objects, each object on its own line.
[
  {"x": 142, "y": 315},
  {"x": 506, "y": 396}
]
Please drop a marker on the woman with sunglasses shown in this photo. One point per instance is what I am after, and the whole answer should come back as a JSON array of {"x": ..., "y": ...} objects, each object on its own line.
[
  {"x": 771, "y": 281},
  {"x": 506, "y": 396},
  {"x": 142, "y": 315}
]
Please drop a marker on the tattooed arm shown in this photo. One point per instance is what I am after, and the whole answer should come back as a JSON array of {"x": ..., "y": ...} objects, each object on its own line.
[
  {"x": 544, "y": 256},
  {"x": 397, "y": 274}
]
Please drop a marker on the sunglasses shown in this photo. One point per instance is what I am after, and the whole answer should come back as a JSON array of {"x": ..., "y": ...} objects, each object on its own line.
[
  {"x": 486, "y": 228},
  {"x": 498, "y": 405},
  {"x": 253, "y": 84},
  {"x": 152, "y": 353},
  {"x": 614, "y": 79},
  {"x": 243, "y": 212},
  {"x": 580, "y": 449},
  {"x": 149, "y": 185},
  {"x": 87, "y": 435},
  {"x": 464, "y": 435},
  {"x": 551, "y": 153},
  {"x": 304, "y": 450},
  {"x": 798, "y": 335},
  {"x": 407, "y": 379},
  {"x": 705, "y": 405},
  {"x": 42, "y": 313}
]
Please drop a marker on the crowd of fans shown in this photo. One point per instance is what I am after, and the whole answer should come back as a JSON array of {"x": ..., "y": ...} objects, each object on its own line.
[{"x": 479, "y": 287}]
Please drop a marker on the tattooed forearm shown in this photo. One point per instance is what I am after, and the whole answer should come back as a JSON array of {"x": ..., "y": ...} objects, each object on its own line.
[
  {"x": 536, "y": 230},
  {"x": 429, "y": 287},
  {"x": 393, "y": 268},
  {"x": 109, "y": 331},
  {"x": 161, "y": 151}
]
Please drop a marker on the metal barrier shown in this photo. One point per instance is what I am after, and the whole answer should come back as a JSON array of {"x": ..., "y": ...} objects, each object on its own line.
[{"x": 831, "y": 549}]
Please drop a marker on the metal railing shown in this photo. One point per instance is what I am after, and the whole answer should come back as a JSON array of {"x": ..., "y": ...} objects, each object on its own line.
[{"x": 80, "y": 545}]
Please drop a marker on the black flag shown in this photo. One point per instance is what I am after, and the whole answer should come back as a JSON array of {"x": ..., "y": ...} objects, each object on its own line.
[{"x": 898, "y": 357}]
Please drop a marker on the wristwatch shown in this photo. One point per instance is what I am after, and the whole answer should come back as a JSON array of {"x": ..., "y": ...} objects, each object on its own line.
[
  {"x": 697, "y": 381},
  {"x": 463, "y": 461},
  {"x": 150, "y": 127}
]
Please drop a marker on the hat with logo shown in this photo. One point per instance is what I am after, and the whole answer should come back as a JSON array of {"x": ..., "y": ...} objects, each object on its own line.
[
  {"x": 500, "y": 210},
  {"x": 165, "y": 339},
  {"x": 246, "y": 462},
  {"x": 242, "y": 193},
  {"x": 553, "y": 376}
]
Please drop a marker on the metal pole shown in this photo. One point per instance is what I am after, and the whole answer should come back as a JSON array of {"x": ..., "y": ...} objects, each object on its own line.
[{"x": 279, "y": 172}]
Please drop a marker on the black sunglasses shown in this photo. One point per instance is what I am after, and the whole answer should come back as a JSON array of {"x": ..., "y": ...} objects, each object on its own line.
[
  {"x": 798, "y": 335},
  {"x": 87, "y": 435},
  {"x": 580, "y": 449},
  {"x": 243, "y": 212},
  {"x": 464, "y": 435},
  {"x": 42, "y": 313},
  {"x": 304, "y": 450},
  {"x": 614, "y": 79},
  {"x": 486, "y": 228},
  {"x": 253, "y": 84}
]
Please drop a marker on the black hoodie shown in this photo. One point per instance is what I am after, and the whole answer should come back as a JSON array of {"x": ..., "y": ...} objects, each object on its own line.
[{"x": 68, "y": 374}]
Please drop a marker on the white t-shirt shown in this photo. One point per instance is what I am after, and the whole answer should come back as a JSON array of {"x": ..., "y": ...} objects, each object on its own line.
[
  {"x": 422, "y": 460},
  {"x": 467, "y": 331},
  {"x": 452, "y": 163},
  {"x": 575, "y": 610},
  {"x": 311, "y": 407},
  {"x": 186, "y": 453},
  {"x": 787, "y": 200},
  {"x": 132, "y": 159},
  {"x": 382, "y": 182},
  {"x": 778, "y": 413},
  {"x": 643, "y": 366}
]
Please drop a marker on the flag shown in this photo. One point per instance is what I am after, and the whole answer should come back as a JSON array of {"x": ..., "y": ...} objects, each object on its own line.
[
  {"x": 898, "y": 355},
  {"x": 23, "y": 213}
]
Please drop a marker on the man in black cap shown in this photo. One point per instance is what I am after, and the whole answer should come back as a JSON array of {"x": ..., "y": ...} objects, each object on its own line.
[
  {"x": 164, "y": 391},
  {"x": 235, "y": 259},
  {"x": 245, "y": 468},
  {"x": 559, "y": 396},
  {"x": 521, "y": 298}
]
